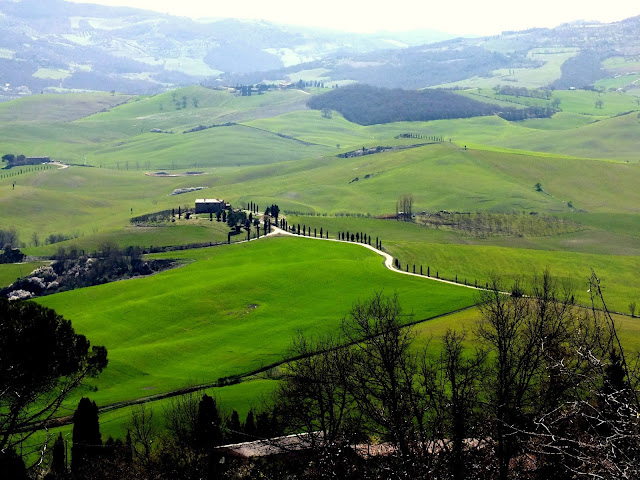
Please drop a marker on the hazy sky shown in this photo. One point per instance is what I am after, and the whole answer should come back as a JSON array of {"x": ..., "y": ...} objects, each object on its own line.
[{"x": 484, "y": 17}]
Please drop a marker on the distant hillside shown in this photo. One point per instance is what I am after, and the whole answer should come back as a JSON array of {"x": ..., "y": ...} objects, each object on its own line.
[
  {"x": 58, "y": 46},
  {"x": 369, "y": 105},
  {"x": 570, "y": 55},
  {"x": 55, "y": 45}
]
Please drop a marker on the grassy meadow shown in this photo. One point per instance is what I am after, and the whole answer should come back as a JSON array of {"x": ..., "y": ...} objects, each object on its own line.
[
  {"x": 9, "y": 272},
  {"x": 234, "y": 309}
]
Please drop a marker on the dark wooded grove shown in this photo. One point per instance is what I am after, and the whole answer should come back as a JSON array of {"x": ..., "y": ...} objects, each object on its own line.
[{"x": 367, "y": 105}]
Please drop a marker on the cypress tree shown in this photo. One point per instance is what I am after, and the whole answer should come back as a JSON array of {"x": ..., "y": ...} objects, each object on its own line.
[
  {"x": 208, "y": 433},
  {"x": 263, "y": 425},
  {"x": 86, "y": 435},
  {"x": 12, "y": 466},
  {"x": 250, "y": 427},
  {"x": 234, "y": 428},
  {"x": 58, "y": 463}
]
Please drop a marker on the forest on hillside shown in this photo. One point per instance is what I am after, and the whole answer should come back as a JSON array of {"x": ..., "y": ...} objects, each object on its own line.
[{"x": 367, "y": 105}]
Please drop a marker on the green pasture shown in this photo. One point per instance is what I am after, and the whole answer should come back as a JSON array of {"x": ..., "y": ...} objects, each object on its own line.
[
  {"x": 622, "y": 65},
  {"x": 49, "y": 108},
  {"x": 619, "y": 81},
  {"x": 602, "y": 234},
  {"x": 537, "y": 77},
  {"x": 610, "y": 245},
  {"x": 467, "y": 321},
  {"x": 581, "y": 102},
  {"x": 471, "y": 262},
  {"x": 235, "y": 309},
  {"x": 10, "y": 272},
  {"x": 560, "y": 121},
  {"x": 166, "y": 112},
  {"x": 182, "y": 232},
  {"x": 451, "y": 178},
  {"x": 223, "y": 146},
  {"x": 87, "y": 202}
]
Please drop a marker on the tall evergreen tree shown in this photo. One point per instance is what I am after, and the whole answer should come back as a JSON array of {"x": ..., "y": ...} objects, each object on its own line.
[
  {"x": 86, "y": 435},
  {"x": 250, "y": 429},
  {"x": 208, "y": 433},
  {"x": 58, "y": 464},
  {"x": 234, "y": 427}
]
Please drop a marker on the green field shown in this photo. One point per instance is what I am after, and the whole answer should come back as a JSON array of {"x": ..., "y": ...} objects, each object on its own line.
[
  {"x": 9, "y": 272},
  {"x": 235, "y": 309}
]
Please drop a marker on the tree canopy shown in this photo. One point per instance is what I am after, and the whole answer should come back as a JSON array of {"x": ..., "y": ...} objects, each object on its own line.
[
  {"x": 367, "y": 105},
  {"x": 41, "y": 360}
]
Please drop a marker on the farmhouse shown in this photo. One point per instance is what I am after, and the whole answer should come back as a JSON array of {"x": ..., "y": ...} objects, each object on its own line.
[{"x": 209, "y": 205}]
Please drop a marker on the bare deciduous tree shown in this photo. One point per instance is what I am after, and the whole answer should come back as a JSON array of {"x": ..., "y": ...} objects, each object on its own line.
[
  {"x": 383, "y": 368},
  {"x": 314, "y": 395},
  {"x": 404, "y": 207}
]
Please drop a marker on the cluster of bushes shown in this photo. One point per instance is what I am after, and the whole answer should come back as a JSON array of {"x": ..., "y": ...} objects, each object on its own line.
[
  {"x": 519, "y": 114},
  {"x": 19, "y": 160},
  {"x": 522, "y": 92},
  {"x": 199, "y": 128},
  {"x": 56, "y": 238},
  {"x": 72, "y": 269},
  {"x": 318, "y": 214},
  {"x": 9, "y": 237},
  {"x": 155, "y": 217}
]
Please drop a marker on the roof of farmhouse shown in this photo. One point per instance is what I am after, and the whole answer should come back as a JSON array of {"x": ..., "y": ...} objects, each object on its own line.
[{"x": 208, "y": 200}]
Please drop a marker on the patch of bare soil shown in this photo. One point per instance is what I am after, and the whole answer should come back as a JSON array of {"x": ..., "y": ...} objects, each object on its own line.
[{"x": 165, "y": 174}]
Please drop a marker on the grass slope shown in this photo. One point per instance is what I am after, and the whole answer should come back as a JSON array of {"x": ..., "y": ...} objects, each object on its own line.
[
  {"x": 9, "y": 272},
  {"x": 91, "y": 202},
  {"x": 233, "y": 310}
]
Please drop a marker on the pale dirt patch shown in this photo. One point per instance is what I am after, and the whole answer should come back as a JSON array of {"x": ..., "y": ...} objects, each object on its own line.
[{"x": 165, "y": 174}]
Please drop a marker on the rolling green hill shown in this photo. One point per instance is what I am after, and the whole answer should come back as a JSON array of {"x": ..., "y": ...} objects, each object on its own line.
[{"x": 233, "y": 310}]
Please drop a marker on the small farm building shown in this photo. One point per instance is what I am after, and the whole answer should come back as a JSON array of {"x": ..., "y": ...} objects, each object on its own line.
[{"x": 209, "y": 205}]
